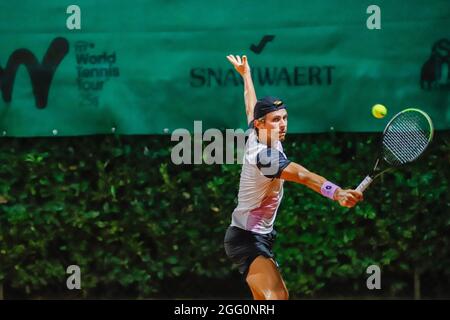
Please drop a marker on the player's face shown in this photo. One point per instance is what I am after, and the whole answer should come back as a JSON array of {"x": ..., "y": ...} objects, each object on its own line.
[{"x": 275, "y": 124}]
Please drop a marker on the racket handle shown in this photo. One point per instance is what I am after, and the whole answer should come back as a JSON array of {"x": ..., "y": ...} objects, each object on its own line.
[{"x": 364, "y": 184}]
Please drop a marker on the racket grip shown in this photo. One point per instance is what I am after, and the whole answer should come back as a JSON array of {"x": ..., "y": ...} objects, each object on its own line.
[{"x": 364, "y": 184}]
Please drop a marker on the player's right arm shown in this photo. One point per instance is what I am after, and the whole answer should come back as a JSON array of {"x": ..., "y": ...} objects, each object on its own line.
[{"x": 243, "y": 68}]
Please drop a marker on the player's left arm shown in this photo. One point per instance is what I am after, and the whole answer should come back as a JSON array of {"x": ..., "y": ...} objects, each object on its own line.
[
  {"x": 299, "y": 174},
  {"x": 273, "y": 164},
  {"x": 243, "y": 68}
]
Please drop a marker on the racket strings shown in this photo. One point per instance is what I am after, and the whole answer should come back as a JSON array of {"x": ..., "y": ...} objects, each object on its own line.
[
  {"x": 406, "y": 138},
  {"x": 399, "y": 152},
  {"x": 401, "y": 132},
  {"x": 407, "y": 131}
]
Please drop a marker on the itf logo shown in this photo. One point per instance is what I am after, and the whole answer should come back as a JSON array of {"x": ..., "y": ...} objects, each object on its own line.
[
  {"x": 435, "y": 73},
  {"x": 41, "y": 74}
]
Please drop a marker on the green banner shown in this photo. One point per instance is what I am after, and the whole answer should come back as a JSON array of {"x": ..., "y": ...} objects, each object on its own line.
[{"x": 149, "y": 67}]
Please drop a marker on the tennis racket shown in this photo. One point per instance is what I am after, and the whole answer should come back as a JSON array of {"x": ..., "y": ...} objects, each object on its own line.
[{"x": 404, "y": 139}]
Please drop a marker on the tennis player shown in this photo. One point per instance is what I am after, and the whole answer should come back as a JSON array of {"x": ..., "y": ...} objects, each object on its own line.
[{"x": 250, "y": 237}]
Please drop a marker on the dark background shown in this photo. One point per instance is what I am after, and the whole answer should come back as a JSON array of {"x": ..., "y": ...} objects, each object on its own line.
[{"x": 140, "y": 227}]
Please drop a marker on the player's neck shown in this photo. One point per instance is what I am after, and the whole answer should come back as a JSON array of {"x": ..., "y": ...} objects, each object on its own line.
[{"x": 267, "y": 141}]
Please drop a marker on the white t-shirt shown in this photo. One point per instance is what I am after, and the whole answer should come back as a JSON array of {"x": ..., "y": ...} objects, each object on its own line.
[{"x": 260, "y": 189}]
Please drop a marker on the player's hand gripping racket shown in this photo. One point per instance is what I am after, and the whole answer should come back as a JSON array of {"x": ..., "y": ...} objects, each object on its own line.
[{"x": 404, "y": 139}]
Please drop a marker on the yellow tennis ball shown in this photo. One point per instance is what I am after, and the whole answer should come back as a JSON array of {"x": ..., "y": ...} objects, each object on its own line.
[{"x": 379, "y": 111}]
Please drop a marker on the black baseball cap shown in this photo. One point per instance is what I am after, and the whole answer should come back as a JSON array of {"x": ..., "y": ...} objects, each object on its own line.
[{"x": 265, "y": 106}]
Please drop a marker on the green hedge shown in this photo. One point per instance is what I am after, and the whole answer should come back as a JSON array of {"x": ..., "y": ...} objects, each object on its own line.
[{"x": 139, "y": 226}]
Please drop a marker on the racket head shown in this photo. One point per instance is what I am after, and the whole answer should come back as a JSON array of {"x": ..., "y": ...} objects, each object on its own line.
[{"x": 406, "y": 137}]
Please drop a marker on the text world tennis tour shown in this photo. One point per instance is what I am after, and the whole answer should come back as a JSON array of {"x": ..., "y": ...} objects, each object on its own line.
[{"x": 229, "y": 309}]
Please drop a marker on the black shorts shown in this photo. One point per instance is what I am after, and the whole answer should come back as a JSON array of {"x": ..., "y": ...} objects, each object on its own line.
[{"x": 243, "y": 246}]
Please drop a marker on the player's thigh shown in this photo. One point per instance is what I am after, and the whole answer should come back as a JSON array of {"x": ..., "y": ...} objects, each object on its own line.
[{"x": 265, "y": 279}]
